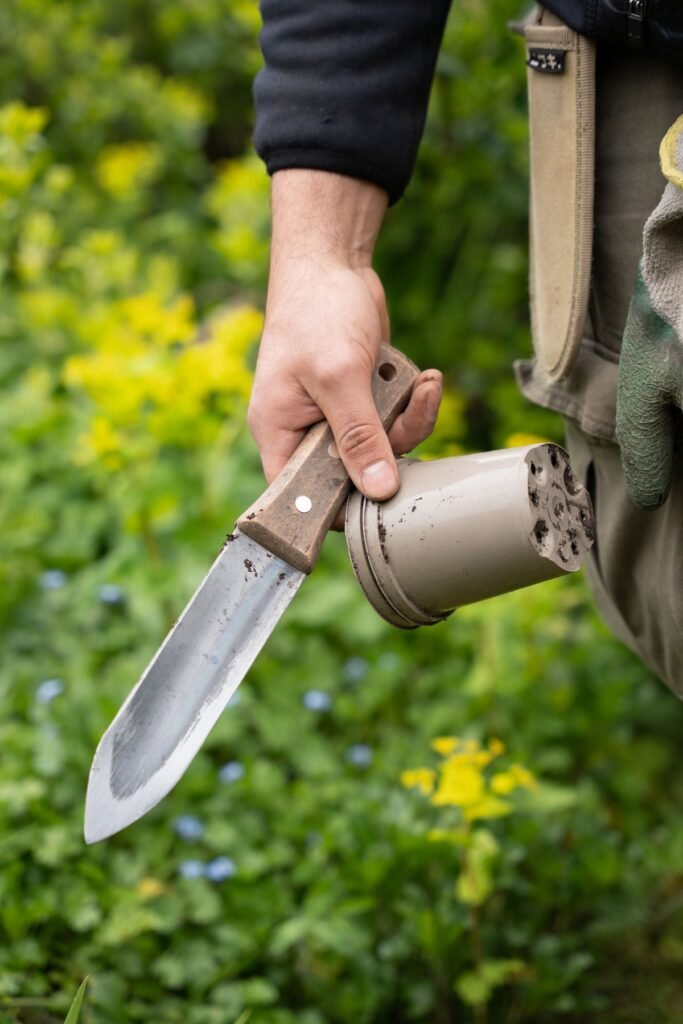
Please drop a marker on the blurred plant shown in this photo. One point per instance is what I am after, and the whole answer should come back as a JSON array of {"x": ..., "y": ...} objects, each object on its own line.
[
  {"x": 153, "y": 383},
  {"x": 465, "y": 784},
  {"x": 238, "y": 200}
]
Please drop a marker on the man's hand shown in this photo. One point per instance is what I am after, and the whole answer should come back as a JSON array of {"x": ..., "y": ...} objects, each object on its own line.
[{"x": 326, "y": 318}]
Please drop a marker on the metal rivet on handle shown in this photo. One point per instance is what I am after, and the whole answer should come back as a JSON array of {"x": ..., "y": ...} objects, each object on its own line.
[{"x": 303, "y": 503}]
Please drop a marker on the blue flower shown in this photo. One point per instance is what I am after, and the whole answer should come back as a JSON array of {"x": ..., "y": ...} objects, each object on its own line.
[
  {"x": 188, "y": 827},
  {"x": 313, "y": 839},
  {"x": 231, "y": 772},
  {"x": 219, "y": 869},
  {"x": 355, "y": 669},
  {"x": 48, "y": 690},
  {"x": 110, "y": 593},
  {"x": 53, "y": 579},
  {"x": 360, "y": 755},
  {"x": 191, "y": 869},
  {"x": 317, "y": 700}
]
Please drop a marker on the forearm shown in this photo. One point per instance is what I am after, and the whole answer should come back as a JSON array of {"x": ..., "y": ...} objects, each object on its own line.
[{"x": 324, "y": 216}]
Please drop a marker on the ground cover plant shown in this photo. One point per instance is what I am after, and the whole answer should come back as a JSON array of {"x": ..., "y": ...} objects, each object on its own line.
[{"x": 478, "y": 821}]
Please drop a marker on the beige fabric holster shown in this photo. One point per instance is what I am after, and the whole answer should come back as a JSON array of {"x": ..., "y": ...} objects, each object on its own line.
[{"x": 561, "y": 88}]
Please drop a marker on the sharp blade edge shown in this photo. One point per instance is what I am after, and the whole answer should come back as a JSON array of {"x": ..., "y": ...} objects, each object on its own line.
[{"x": 181, "y": 694}]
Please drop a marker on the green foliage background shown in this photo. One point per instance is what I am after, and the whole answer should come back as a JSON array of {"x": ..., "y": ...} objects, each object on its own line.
[{"x": 124, "y": 460}]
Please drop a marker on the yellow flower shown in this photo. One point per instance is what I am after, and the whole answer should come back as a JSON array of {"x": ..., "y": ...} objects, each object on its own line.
[
  {"x": 38, "y": 242},
  {"x": 459, "y": 786},
  {"x": 150, "y": 371},
  {"x": 445, "y": 745},
  {"x": 238, "y": 201},
  {"x": 503, "y": 783},
  {"x": 21, "y": 123},
  {"x": 148, "y": 888},
  {"x": 102, "y": 442},
  {"x": 121, "y": 170},
  {"x": 496, "y": 747},
  {"x": 190, "y": 105},
  {"x": 103, "y": 437},
  {"x": 422, "y": 779},
  {"x": 522, "y": 775},
  {"x": 160, "y": 323},
  {"x": 488, "y": 807},
  {"x": 470, "y": 754},
  {"x": 20, "y": 129}
]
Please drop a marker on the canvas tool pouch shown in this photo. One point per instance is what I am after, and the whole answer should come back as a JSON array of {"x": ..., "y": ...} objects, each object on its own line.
[{"x": 561, "y": 88}]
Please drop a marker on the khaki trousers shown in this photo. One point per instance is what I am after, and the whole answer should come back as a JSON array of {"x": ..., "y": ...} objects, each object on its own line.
[{"x": 636, "y": 568}]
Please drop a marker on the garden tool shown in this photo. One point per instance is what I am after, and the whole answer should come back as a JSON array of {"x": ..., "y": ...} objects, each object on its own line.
[
  {"x": 204, "y": 658},
  {"x": 464, "y": 529},
  {"x": 458, "y": 530},
  {"x": 650, "y": 381}
]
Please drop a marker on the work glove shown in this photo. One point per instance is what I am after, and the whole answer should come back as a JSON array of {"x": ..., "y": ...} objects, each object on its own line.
[{"x": 650, "y": 380}]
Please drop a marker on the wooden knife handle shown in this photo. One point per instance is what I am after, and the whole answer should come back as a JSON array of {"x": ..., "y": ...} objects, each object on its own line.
[{"x": 292, "y": 517}]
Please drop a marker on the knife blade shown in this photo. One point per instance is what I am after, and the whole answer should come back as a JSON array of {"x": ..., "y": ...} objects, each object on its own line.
[{"x": 184, "y": 689}]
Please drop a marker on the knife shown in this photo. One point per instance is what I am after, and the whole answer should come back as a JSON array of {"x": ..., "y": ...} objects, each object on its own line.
[{"x": 202, "y": 661}]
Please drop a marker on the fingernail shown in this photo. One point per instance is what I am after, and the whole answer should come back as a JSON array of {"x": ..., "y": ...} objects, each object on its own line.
[
  {"x": 432, "y": 404},
  {"x": 378, "y": 480}
]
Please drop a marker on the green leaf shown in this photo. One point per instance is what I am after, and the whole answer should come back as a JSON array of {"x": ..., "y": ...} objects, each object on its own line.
[
  {"x": 476, "y": 987},
  {"x": 473, "y": 988},
  {"x": 289, "y": 934},
  {"x": 127, "y": 922},
  {"x": 75, "y": 1011},
  {"x": 258, "y": 992},
  {"x": 548, "y": 798}
]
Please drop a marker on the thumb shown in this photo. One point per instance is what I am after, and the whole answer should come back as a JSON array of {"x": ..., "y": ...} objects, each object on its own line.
[{"x": 361, "y": 440}]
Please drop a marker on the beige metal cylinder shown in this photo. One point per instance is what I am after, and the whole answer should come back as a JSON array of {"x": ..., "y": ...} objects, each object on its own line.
[{"x": 462, "y": 529}]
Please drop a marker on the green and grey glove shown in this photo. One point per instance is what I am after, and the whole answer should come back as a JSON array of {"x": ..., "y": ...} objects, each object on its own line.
[{"x": 650, "y": 383}]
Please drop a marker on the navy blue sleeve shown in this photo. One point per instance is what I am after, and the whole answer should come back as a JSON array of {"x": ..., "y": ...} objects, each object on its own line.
[{"x": 346, "y": 84}]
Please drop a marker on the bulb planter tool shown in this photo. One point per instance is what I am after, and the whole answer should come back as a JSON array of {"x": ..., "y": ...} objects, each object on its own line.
[{"x": 462, "y": 529}]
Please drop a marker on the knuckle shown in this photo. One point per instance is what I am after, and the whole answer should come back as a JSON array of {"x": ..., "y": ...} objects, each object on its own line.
[
  {"x": 332, "y": 372},
  {"x": 359, "y": 441}
]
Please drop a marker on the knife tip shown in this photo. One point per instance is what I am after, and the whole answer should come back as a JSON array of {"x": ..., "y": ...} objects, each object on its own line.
[
  {"x": 99, "y": 820},
  {"x": 90, "y": 837},
  {"x": 93, "y": 830},
  {"x": 96, "y": 828}
]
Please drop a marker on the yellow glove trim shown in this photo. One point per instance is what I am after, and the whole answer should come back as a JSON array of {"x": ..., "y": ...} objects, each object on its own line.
[{"x": 667, "y": 153}]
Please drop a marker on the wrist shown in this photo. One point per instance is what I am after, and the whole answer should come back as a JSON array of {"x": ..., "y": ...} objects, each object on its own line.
[{"x": 324, "y": 216}]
